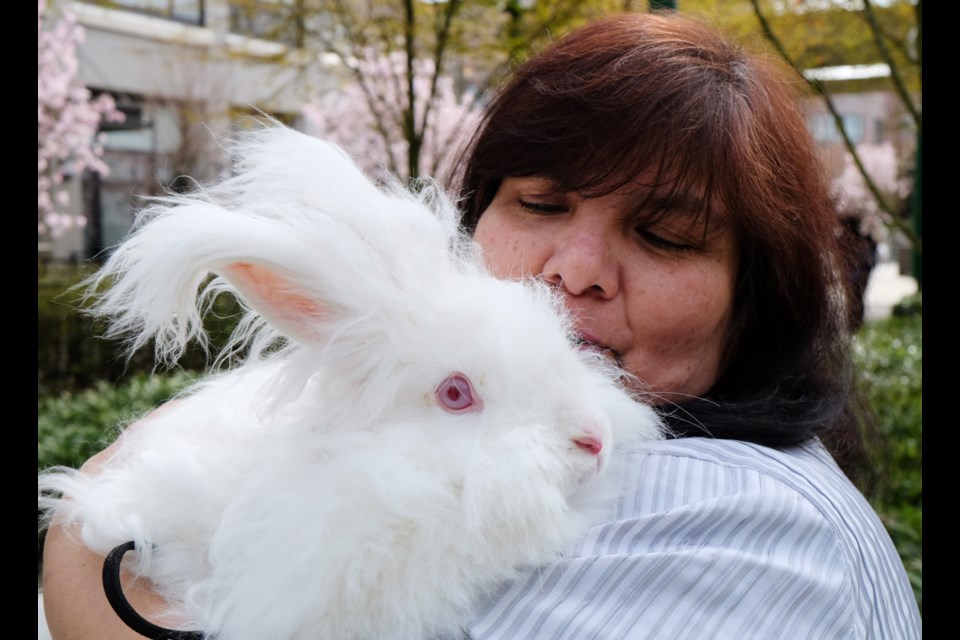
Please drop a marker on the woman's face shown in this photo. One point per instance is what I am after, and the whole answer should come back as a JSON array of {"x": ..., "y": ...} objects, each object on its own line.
[{"x": 658, "y": 298}]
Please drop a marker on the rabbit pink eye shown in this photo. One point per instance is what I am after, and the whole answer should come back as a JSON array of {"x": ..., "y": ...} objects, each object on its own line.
[{"x": 456, "y": 394}]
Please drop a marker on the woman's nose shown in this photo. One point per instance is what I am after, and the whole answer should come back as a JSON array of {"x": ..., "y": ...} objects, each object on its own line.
[{"x": 582, "y": 262}]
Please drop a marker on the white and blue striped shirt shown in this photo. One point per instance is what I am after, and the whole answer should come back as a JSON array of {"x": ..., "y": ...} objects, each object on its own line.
[{"x": 724, "y": 540}]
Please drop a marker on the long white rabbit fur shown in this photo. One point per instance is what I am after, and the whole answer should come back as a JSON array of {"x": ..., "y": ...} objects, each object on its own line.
[{"x": 322, "y": 489}]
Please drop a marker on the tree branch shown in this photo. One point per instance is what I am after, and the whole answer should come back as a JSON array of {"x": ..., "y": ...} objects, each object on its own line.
[
  {"x": 354, "y": 43},
  {"x": 443, "y": 37},
  {"x": 898, "y": 83},
  {"x": 894, "y": 219},
  {"x": 409, "y": 115}
]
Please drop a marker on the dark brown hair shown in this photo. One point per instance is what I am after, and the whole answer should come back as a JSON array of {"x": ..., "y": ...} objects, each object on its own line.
[{"x": 670, "y": 99}]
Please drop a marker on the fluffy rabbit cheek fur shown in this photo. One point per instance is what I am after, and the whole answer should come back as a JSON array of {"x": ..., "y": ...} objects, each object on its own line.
[
  {"x": 405, "y": 536},
  {"x": 324, "y": 488}
]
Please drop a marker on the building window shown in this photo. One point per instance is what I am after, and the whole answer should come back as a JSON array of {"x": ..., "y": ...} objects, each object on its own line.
[
  {"x": 275, "y": 20},
  {"x": 824, "y": 128},
  {"x": 111, "y": 199},
  {"x": 186, "y": 11}
]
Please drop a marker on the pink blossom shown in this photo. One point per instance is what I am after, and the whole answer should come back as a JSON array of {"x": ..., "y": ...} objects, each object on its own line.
[
  {"x": 365, "y": 116},
  {"x": 68, "y": 119},
  {"x": 852, "y": 194}
]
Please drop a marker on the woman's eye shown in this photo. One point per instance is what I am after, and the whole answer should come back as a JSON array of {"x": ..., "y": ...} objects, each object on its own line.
[
  {"x": 535, "y": 206},
  {"x": 662, "y": 242}
]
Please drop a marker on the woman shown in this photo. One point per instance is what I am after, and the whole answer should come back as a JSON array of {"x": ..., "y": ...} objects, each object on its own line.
[{"x": 664, "y": 182}]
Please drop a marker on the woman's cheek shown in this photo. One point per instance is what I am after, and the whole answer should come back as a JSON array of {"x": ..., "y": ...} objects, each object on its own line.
[
  {"x": 495, "y": 243},
  {"x": 679, "y": 342},
  {"x": 508, "y": 252}
]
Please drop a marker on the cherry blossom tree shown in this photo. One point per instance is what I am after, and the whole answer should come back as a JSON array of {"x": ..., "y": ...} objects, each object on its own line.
[
  {"x": 367, "y": 119},
  {"x": 68, "y": 118},
  {"x": 400, "y": 108},
  {"x": 854, "y": 196},
  {"x": 893, "y": 39}
]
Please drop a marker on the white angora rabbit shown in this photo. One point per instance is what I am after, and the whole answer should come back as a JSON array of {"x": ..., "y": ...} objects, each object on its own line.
[{"x": 408, "y": 433}]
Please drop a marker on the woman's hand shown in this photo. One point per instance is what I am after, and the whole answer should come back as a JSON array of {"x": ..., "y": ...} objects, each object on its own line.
[{"x": 74, "y": 601}]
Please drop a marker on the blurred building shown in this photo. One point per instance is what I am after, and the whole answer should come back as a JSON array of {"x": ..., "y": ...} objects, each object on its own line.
[
  {"x": 877, "y": 123},
  {"x": 184, "y": 72},
  {"x": 187, "y": 71}
]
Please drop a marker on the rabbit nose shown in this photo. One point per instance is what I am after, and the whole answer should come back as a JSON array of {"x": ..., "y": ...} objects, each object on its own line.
[{"x": 589, "y": 443}]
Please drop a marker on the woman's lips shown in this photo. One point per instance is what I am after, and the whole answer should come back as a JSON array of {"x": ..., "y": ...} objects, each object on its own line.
[{"x": 589, "y": 342}]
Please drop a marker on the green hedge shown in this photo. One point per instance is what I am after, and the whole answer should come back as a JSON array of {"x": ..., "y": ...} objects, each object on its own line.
[
  {"x": 74, "y": 425},
  {"x": 890, "y": 356},
  {"x": 71, "y": 356},
  {"x": 67, "y": 355}
]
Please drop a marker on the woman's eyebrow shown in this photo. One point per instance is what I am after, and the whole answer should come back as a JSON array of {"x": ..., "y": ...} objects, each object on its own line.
[
  {"x": 690, "y": 206},
  {"x": 543, "y": 184}
]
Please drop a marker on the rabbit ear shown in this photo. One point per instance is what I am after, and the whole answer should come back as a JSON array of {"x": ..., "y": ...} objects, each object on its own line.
[
  {"x": 280, "y": 301},
  {"x": 154, "y": 277},
  {"x": 300, "y": 233}
]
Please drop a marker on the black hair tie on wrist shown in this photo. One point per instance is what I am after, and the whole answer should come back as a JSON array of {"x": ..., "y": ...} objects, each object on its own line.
[{"x": 123, "y": 608}]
